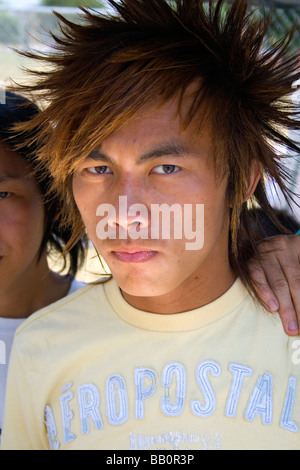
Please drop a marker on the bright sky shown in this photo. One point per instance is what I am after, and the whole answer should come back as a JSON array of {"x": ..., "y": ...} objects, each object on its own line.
[{"x": 22, "y": 3}]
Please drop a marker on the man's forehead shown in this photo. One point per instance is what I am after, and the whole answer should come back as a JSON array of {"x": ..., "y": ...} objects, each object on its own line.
[
  {"x": 155, "y": 130},
  {"x": 163, "y": 122}
]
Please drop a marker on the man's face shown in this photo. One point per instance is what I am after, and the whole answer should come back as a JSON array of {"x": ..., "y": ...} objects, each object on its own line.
[{"x": 149, "y": 162}]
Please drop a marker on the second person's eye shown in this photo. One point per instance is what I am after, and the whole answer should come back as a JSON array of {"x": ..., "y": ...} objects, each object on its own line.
[{"x": 4, "y": 194}]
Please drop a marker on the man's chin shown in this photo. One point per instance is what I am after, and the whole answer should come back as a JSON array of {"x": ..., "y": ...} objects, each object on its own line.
[{"x": 137, "y": 288}]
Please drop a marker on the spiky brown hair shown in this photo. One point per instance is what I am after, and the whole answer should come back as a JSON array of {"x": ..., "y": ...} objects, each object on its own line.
[{"x": 104, "y": 70}]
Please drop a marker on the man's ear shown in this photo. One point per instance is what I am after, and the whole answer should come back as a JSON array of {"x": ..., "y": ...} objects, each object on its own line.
[{"x": 254, "y": 177}]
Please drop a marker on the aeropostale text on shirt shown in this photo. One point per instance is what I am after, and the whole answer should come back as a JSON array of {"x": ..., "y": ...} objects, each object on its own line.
[{"x": 86, "y": 402}]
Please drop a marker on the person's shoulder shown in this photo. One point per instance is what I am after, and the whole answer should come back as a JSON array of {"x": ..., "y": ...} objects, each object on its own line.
[
  {"x": 269, "y": 326},
  {"x": 64, "y": 311},
  {"x": 256, "y": 318}
]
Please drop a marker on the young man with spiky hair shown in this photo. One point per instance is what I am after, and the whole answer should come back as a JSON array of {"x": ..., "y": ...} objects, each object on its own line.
[{"x": 172, "y": 107}]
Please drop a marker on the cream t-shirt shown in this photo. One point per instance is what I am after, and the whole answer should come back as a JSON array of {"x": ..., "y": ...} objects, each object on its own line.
[{"x": 92, "y": 372}]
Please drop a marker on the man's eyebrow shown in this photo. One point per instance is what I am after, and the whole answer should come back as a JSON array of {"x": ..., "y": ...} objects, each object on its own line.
[
  {"x": 98, "y": 155},
  {"x": 174, "y": 148}
]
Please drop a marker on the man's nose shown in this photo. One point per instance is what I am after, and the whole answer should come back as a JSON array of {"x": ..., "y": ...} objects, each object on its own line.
[{"x": 130, "y": 215}]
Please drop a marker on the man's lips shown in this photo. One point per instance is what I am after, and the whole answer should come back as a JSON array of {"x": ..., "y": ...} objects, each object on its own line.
[{"x": 134, "y": 255}]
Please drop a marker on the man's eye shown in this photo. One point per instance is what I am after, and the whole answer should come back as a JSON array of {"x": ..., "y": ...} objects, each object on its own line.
[
  {"x": 165, "y": 169},
  {"x": 4, "y": 194},
  {"x": 99, "y": 170}
]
